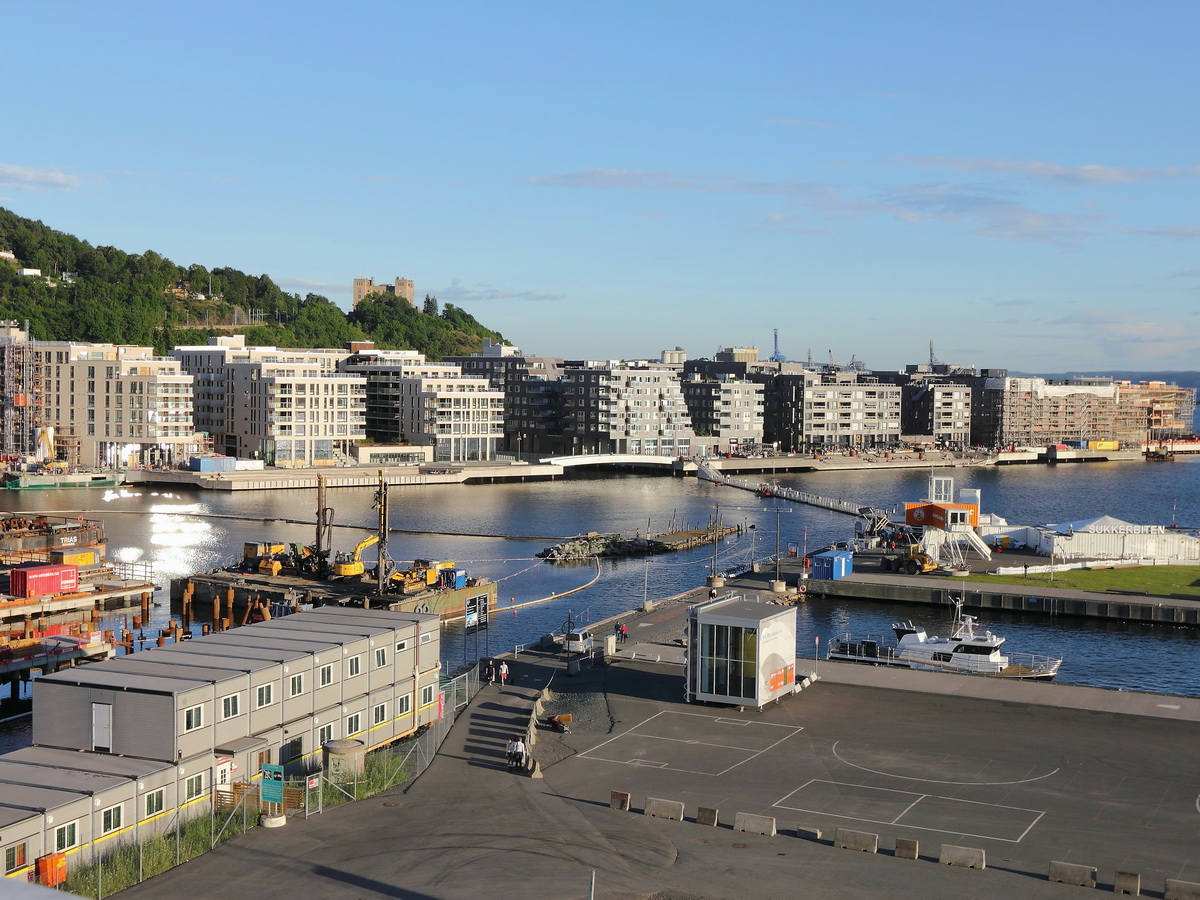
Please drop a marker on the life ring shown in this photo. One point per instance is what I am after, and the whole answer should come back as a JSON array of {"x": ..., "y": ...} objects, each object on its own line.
[{"x": 804, "y": 589}]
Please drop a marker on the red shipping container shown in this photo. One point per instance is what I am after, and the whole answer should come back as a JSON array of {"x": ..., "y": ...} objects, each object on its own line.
[{"x": 41, "y": 581}]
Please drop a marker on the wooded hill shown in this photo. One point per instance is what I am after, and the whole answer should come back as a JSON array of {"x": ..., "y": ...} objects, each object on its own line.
[{"x": 105, "y": 295}]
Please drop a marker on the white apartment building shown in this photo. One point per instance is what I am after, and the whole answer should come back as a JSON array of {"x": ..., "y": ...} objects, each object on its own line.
[
  {"x": 290, "y": 408},
  {"x": 113, "y": 406},
  {"x": 726, "y": 412},
  {"x": 411, "y": 401},
  {"x": 846, "y": 408},
  {"x": 618, "y": 407}
]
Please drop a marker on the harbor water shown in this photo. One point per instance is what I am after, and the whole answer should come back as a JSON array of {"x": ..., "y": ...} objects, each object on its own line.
[{"x": 495, "y": 530}]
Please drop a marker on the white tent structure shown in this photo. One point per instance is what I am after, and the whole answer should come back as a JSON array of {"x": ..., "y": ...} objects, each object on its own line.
[{"x": 1106, "y": 537}]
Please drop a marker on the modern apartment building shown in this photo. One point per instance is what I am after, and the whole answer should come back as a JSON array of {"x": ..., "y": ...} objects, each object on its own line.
[
  {"x": 289, "y": 408},
  {"x": 430, "y": 404},
  {"x": 532, "y": 395},
  {"x": 1036, "y": 412},
  {"x": 726, "y": 412},
  {"x": 619, "y": 407},
  {"x": 848, "y": 408},
  {"x": 401, "y": 287}
]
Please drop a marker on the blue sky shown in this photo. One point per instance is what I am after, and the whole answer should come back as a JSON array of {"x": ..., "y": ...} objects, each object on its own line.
[{"x": 1016, "y": 182}]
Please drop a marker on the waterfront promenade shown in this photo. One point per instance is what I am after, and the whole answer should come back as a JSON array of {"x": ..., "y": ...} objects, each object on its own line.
[{"x": 1028, "y": 773}]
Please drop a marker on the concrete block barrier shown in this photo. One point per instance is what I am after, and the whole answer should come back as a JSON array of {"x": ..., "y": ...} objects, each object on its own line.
[
  {"x": 856, "y": 840},
  {"x": 1181, "y": 890},
  {"x": 619, "y": 800},
  {"x": 707, "y": 816},
  {"x": 808, "y": 832},
  {"x": 664, "y": 809},
  {"x": 753, "y": 824},
  {"x": 966, "y": 857},
  {"x": 907, "y": 848},
  {"x": 1073, "y": 873},
  {"x": 1127, "y": 883}
]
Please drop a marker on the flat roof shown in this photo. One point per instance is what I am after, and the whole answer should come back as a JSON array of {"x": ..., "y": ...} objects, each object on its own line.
[
  {"x": 65, "y": 781},
  {"x": 102, "y": 675},
  {"x": 740, "y": 609},
  {"x": 215, "y": 649},
  {"x": 107, "y": 763},
  {"x": 176, "y": 668}
]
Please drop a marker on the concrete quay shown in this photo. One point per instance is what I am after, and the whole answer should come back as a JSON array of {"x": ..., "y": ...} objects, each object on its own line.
[{"x": 938, "y": 768}]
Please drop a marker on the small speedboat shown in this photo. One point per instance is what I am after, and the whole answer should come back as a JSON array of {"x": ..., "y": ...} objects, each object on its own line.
[{"x": 969, "y": 651}]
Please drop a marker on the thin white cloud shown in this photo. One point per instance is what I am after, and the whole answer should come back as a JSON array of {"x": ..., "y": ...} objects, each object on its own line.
[
  {"x": 1044, "y": 171},
  {"x": 458, "y": 293},
  {"x": 803, "y": 123},
  {"x": 1174, "y": 234},
  {"x": 1187, "y": 273},
  {"x": 992, "y": 215},
  {"x": 306, "y": 284},
  {"x": 30, "y": 179},
  {"x": 1135, "y": 335}
]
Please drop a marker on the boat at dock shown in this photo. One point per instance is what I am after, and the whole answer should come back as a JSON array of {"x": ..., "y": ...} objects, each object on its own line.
[
  {"x": 28, "y": 481},
  {"x": 969, "y": 650}
]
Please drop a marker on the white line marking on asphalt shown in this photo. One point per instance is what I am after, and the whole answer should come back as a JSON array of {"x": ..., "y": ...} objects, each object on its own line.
[{"x": 840, "y": 758}]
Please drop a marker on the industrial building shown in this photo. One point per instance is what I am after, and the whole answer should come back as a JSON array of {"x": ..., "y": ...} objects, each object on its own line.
[{"x": 120, "y": 747}]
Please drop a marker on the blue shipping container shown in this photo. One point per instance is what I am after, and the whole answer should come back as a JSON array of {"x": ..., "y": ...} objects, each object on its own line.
[{"x": 832, "y": 565}]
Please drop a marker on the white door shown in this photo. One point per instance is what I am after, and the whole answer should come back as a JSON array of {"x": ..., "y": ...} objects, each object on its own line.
[
  {"x": 223, "y": 772},
  {"x": 101, "y": 727}
]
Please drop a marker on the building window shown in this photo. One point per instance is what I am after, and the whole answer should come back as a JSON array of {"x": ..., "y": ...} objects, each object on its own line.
[
  {"x": 296, "y": 686},
  {"x": 381, "y": 657},
  {"x": 427, "y": 637},
  {"x": 193, "y": 787},
  {"x": 355, "y": 666},
  {"x": 293, "y": 749},
  {"x": 401, "y": 646},
  {"x": 15, "y": 857},
  {"x": 154, "y": 802},
  {"x": 325, "y": 735},
  {"x": 265, "y": 695},
  {"x": 403, "y": 705},
  {"x": 230, "y": 706},
  {"x": 110, "y": 820},
  {"x": 427, "y": 695},
  {"x": 353, "y": 724},
  {"x": 325, "y": 676},
  {"x": 262, "y": 758},
  {"x": 193, "y": 718},
  {"x": 66, "y": 837},
  {"x": 379, "y": 714}
]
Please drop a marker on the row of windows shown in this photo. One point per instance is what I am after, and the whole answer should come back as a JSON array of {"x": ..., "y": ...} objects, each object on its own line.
[{"x": 264, "y": 695}]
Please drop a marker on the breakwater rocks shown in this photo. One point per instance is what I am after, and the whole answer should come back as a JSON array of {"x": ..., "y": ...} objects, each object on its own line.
[{"x": 593, "y": 545}]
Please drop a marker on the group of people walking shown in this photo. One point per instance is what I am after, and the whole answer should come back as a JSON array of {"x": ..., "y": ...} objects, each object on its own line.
[{"x": 621, "y": 630}]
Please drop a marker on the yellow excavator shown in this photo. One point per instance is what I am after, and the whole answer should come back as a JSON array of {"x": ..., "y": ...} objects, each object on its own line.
[{"x": 350, "y": 565}]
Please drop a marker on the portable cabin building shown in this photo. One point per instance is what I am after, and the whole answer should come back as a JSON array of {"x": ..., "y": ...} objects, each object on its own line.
[
  {"x": 740, "y": 652},
  {"x": 832, "y": 565}
]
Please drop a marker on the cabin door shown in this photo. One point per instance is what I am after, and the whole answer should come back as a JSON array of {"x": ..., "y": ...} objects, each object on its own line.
[
  {"x": 102, "y": 727},
  {"x": 224, "y": 767}
]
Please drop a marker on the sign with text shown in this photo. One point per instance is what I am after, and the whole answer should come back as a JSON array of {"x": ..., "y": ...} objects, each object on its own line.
[
  {"x": 272, "y": 783},
  {"x": 476, "y": 613}
]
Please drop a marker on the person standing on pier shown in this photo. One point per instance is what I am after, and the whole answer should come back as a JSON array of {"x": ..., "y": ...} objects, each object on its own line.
[{"x": 503, "y": 674}]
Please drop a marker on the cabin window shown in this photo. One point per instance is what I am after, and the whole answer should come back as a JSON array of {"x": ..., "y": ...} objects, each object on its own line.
[
  {"x": 325, "y": 735},
  {"x": 401, "y": 646},
  {"x": 296, "y": 685},
  {"x": 379, "y": 714},
  {"x": 427, "y": 695},
  {"x": 381, "y": 657},
  {"x": 230, "y": 706},
  {"x": 325, "y": 676},
  {"x": 265, "y": 695},
  {"x": 154, "y": 802},
  {"x": 66, "y": 836},
  {"x": 15, "y": 857},
  {"x": 293, "y": 749},
  {"x": 427, "y": 637},
  {"x": 193, "y": 718},
  {"x": 193, "y": 787},
  {"x": 354, "y": 667},
  {"x": 110, "y": 820},
  {"x": 403, "y": 705},
  {"x": 353, "y": 724}
]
